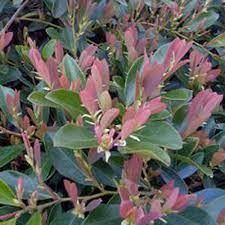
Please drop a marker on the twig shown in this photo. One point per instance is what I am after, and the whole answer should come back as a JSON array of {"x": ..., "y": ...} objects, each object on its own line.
[
  {"x": 46, "y": 205},
  {"x": 39, "y": 21},
  {"x": 6, "y": 131},
  {"x": 6, "y": 27}
]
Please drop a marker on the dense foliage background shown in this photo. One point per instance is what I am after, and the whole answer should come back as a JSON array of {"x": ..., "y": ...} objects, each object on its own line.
[{"x": 112, "y": 112}]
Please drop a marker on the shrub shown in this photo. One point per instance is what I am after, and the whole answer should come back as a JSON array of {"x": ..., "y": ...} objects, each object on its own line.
[{"x": 112, "y": 112}]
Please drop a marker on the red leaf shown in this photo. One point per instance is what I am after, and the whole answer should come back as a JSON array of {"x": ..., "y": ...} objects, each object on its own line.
[
  {"x": 108, "y": 117},
  {"x": 72, "y": 191}
]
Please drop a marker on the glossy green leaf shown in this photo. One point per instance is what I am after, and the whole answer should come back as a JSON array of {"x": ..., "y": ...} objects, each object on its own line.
[
  {"x": 68, "y": 100},
  {"x": 160, "y": 133},
  {"x": 206, "y": 170},
  {"x": 190, "y": 6},
  {"x": 9, "y": 74},
  {"x": 104, "y": 214},
  {"x": 57, "y": 7},
  {"x": 35, "y": 219},
  {"x": 65, "y": 163},
  {"x": 181, "y": 94},
  {"x": 8, "y": 153},
  {"x": 203, "y": 20},
  {"x": 160, "y": 116},
  {"x": 48, "y": 49},
  {"x": 38, "y": 98},
  {"x": 147, "y": 149},
  {"x": 218, "y": 41},
  {"x": 4, "y": 91},
  {"x": 130, "y": 83},
  {"x": 160, "y": 53},
  {"x": 190, "y": 216},
  {"x": 215, "y": 206},
  {"x": 189, "y": 146},
  {"x": 30, "y": 184},
  {"x": 168, "y": 174},
  {"x": 186, "y": 170},
  {"x": 3, "y": 4},
  {"x": 74, "y": 137},
  {"x": 9, "y": 222},
  {"x": 103, "y": 173},
  {"x": 7, "y": 196},
  {"x": 72, "y": 69},
  {"x": 66, "y": 219}
]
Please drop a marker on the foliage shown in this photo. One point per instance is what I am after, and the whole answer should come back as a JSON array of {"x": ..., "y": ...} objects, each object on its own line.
[{"x": 111, "y": 112}]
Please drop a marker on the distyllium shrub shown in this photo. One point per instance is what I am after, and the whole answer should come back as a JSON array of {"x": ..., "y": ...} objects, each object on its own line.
[{"x": 112, "y": 112}]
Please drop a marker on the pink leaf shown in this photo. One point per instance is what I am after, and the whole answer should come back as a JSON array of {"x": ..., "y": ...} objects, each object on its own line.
[
  {"x": 176, "y": 51},
  {"x": 128, "y": 128},
  {"x": 5, "y": 39},
  {"x": 132, "y": 173},
  {"x": 59, "y": 52},
  {"x": 200, "y": 110},
  {"x": 155, "y": 105},
  {"x": 171, "y": 199},
  {"x": 93, "y": 204},
  {"x": 87, "y": 57},
  {"x": 108, "y": 117},
  {"x": 151, "y": 76},
  {"x": 37, "y": 152},
  {"x": 125, "y": 208},
  {"x": 89, "y": 96},
  {"x": 71, "y": 189}
]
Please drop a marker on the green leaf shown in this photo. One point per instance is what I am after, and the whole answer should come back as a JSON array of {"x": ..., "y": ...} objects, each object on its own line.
[
  {"x": 198, "y": 216},
  {"x": 147, "y": 149},
  {"x": 66, "y": 219},
  {"x": 65, "y": 163},
  {"x": 68, "y": 100},
  {"x": 181, "y": 94},
  {"x": 186, "y": 170},
  {"x": 215, "y": 206},
  {"x": 9, "y": 222},
  {"x": 30, "y": 184},
  {"x": 4, "y": 91},
  {"x": 218, "y": 41},
  {"x": 3, "y": 4},
  {"x": 203, "y": 21},
  {"x": 207, "y": 171},
  {"x": 161, "y": 116},
  {"x": 189, "y": 7},
  {"x": 190, "y": 145},
  {"x": 168, "y": 174},
  {"x": 8, "y": 153},
  {"x": 73, "y": 137},
  {"x": 130, "y": 83},
  {"x": 9, "y": 74},
  {"x": 38, "y": 98},
  {"x": 191, "y": 216},
  {"x": 160, "y": 133},
  {"x": 72, "y": 69},
  {"x": 7, "y": 196},
  {"x": 48, "y": 49},
  {"x": 104, "y": 173},
  {"x": 57, "y": 7},
  {"x": 160, "y": 53},
  {"x": 104, "y": 214},
  {"x": 35, "y": 219}
]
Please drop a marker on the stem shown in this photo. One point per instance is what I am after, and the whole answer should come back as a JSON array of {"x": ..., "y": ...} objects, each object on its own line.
[
  {"x": 6, "y": 131},
  {"x": 39, "y": 21},
  {"x": 46, "y": 205},
  {"x": 6, "y": 27},
  {"x": 87, "y": 198}
]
